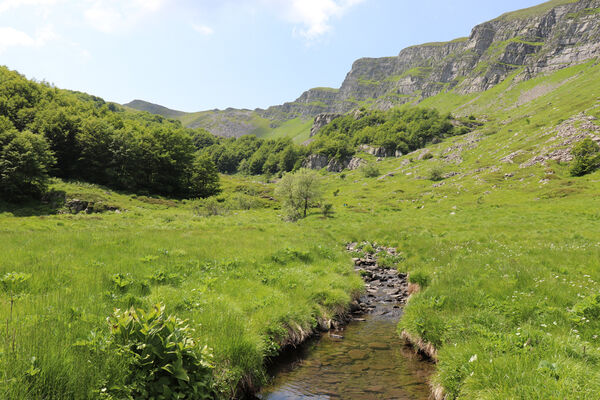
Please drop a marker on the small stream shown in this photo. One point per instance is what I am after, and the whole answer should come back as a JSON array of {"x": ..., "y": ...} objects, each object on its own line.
[{"x": 365, "y": 360}]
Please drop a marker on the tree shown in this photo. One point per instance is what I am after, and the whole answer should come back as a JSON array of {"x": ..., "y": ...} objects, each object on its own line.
[
  {"x": 586, "y": 157},
  {"x": 298, "y": 191},
  {"x": 24, "y": 162},
  {"x": 204, "y": 181}
]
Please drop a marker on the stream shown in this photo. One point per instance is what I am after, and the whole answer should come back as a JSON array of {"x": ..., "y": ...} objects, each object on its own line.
[{"x": 364, "y": 360}]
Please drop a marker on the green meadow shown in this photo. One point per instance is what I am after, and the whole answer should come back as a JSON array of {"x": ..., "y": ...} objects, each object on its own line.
[{"x": 507, "y": 257}]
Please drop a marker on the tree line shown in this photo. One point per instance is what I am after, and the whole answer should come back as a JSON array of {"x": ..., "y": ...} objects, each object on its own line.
[{"x": 45, "y": 131}]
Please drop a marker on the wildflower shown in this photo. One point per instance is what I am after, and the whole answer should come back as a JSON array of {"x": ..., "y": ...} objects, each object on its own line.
[{"x": 473, "y": 358}]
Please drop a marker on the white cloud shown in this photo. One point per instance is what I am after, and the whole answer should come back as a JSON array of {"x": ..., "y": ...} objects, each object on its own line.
[
  {"x": 110, "y": 16},
  {"x": 313, "y": 16},
  {"x": 11, "y": 37},
  {"x": 6, "y": 5},
  {"x": 203, "y": 29}
]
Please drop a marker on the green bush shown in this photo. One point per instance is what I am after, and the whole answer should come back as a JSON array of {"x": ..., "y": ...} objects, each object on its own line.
[
  {"x": 163, "y": 359},
  {"x": 586, "y": 157},
  {"x": 435, "y": 174},
  {"x": 327, "y": 210},
  {"x": 370, "y": 170}
]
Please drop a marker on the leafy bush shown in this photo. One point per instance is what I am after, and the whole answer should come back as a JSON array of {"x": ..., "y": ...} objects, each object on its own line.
[
  {"x": 586, "y": 157},
  {"x": 163, "y": 359},
  {"x": 327, "y": 210},
  {"x": 435, "y": 174},
  {"x": 588, "y": 309},
  {"x": 370, "y": 170}
]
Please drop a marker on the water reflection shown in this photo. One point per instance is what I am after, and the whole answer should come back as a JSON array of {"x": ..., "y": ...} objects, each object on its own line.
[{"x": 370, "y": 362}]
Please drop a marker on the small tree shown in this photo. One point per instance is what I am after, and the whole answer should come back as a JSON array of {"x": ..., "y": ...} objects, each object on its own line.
[
  {"x": 298, "y": 191},
  {"x": 586, "y": 157}
]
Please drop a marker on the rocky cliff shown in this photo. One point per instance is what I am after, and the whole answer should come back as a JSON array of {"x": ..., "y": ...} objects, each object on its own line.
[
  {"x": 525, "y": 43},
  {"x": 528, "y": 42}
]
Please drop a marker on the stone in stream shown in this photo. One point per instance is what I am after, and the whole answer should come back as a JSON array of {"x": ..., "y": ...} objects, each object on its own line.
[
  {"x": 357, "y": 354},
  {"x": 379, "y": 346}
]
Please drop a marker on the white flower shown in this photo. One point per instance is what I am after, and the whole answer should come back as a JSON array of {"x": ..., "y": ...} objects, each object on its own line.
[{"x": 473, "y": 358}]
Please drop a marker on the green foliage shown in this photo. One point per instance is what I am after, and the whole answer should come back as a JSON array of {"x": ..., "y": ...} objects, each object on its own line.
[
  {"x": 327, "y": 210},
  {"x": 253, "y": 156},
  {"x": 588, "y": 309},
  {"x": 25, "y": 160},
  {"x": 14, "y": 283},
  {"x": 435, "y": 174},
  {"x": 586, "y": 157},
  {"x": 93, "y": 141},
  {"x": 163, "y": 359},
  {"x": 370, "y": 170},
  {"x": 420, "y": 278},
  {"x": 298, "y": 191},
  {"x": 204, "y": 181},
  {"x": 405, "y": 130}
]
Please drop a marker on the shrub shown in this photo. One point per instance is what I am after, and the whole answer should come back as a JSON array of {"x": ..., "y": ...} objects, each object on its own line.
[
  {"x": 327, "y": 210},
  {"x": 163, "y": 359},
  {"x": 209, "y": 207},
  {"x": 370, "y": 170},
  {"x": 435, "y": 174},
  {"x": 586, "y": 157}
]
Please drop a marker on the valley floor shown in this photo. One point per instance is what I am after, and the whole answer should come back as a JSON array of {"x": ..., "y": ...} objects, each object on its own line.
[{"x": 507, "y": 254}]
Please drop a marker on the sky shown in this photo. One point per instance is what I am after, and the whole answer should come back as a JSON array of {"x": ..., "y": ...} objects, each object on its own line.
[{"x": 194, "y": 55}]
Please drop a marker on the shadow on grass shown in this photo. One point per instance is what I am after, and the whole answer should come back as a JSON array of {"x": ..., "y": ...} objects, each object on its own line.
[
  {"x": 29, "y": 208},
  {"x": 49, "y": 204}
]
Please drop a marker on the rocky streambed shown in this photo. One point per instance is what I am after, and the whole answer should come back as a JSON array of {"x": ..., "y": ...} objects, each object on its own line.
[{"x": 365, "y": 359}]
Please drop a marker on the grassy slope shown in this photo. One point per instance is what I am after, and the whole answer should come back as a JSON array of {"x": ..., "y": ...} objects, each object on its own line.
[
  {"x": 241, "y": 278},
  {"x": 507, "y": 259}
]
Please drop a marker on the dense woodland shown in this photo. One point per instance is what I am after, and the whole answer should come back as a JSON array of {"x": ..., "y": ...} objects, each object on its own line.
[{"x": 45, "y": 131}]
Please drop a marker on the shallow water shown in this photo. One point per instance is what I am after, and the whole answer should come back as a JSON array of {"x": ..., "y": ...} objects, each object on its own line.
[{"x": 370, "y": 362}]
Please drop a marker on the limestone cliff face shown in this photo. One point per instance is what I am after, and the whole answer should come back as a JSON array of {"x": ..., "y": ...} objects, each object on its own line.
[{"x": 527, "y": 42}]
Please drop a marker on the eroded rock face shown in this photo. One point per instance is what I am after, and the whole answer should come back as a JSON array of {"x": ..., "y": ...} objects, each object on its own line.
[
  {"x": 539, "y": 41},
  {"x": 315, "y": 161},
  {"x": 336, "y": 165},
  {"x": 320, "y": 121},
  {"x": 355, "y": 163},
  {"x": 376, "y": 151}
]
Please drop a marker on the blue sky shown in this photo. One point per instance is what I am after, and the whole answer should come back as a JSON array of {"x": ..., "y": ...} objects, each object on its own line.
[{"x": 195, "y": 55}]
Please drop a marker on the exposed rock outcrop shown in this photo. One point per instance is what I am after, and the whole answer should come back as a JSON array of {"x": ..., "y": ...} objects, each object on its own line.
[
  {"x": 355, "y": 163},
  {"x": 536, "y": 40},
  {"x": 315, "y": 161},
  {"x": 320, "y": 121}
]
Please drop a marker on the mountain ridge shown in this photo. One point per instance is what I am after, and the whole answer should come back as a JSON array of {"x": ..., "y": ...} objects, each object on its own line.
[{"x": 528, "y": 42}]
